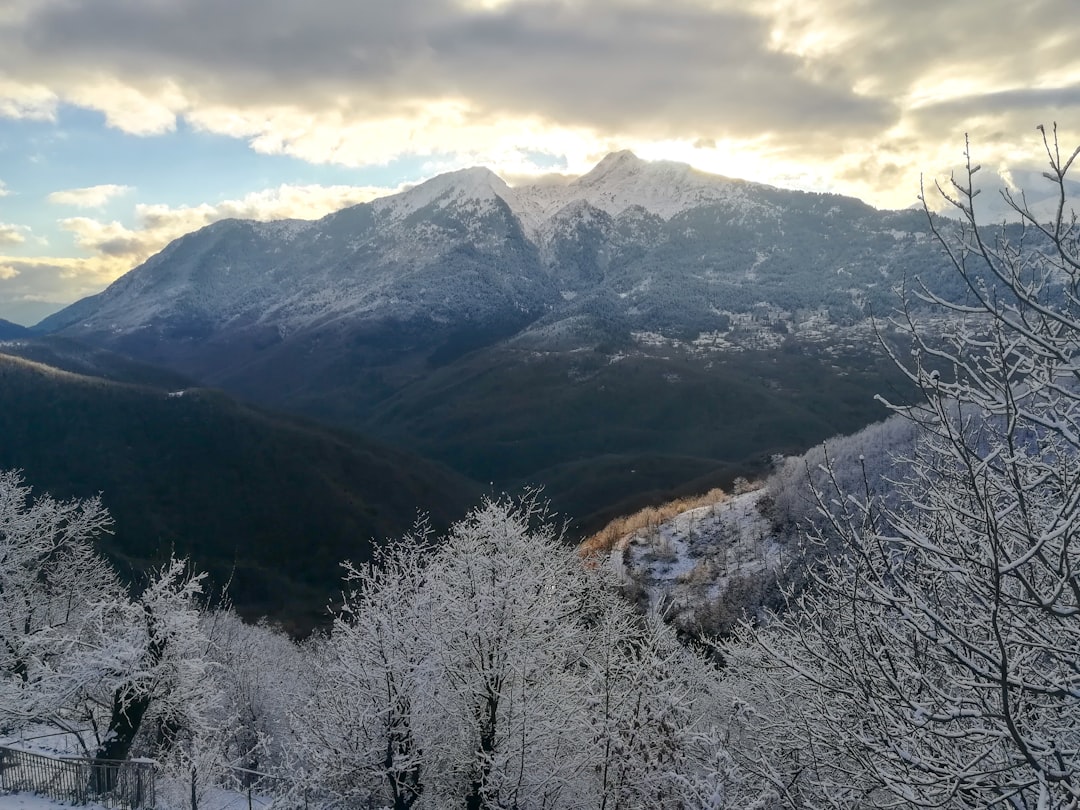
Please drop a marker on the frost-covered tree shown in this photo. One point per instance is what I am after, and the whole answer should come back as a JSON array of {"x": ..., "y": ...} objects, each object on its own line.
[
  {"x": 59, "y": 601},
  {"x": 497, "y": 671},
  {"x": 868, "y": 461},
  {"x": 935, "y": 662},
  {"x": 123, "y": 675},
  {"x": 259, "y": 674},
  {"x": 652, "y": 717},
  {"x": 509, "y": 619},
  {"x": 156, "y": 663},
  {"x": 358, "y": 734}
]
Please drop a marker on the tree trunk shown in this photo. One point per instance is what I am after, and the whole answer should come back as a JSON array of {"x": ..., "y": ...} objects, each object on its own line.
[
  {"x": 130, "y": 704},
  {"x": 488, "y": 716},
  {"x": 129, "y": 707}
]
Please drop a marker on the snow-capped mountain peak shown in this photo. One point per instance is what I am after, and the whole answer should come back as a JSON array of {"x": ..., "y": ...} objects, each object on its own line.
[
  {"x": 453, "y": 189},
  {"x": 622, "y": 180},
  {"x": 613, "y": 168}
]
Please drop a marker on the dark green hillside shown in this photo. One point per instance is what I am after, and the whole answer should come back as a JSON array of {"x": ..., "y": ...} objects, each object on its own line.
[
  {"x": 273, "y": 504},
  {"x": 82, "y": 358},
  {"x": 596, "y": 432}
]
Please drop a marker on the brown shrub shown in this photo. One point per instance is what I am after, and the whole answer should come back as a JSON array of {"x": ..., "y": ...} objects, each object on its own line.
[{"x": 650, "y": 517}]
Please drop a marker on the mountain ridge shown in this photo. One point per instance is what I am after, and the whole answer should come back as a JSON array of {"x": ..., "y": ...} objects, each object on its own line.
[
  {"x": 9, "y": 330},
  {"x": 618, "y": 185},
  {"x": 550, "y": 291}
]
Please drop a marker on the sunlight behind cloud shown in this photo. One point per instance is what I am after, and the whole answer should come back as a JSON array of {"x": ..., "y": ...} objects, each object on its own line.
[
  {"x": 28, "y": 100},
  {"x": 130, "y": 108},
  {"x": 117, "y": 248},
  {"x": 422, "y": 128}
]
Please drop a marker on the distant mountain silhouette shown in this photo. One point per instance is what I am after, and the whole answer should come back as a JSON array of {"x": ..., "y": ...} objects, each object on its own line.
[{"x": 11, "y": 331}]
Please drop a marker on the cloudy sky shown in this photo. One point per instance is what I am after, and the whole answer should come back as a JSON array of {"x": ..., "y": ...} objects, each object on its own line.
[{"x": 125, "y": 123}]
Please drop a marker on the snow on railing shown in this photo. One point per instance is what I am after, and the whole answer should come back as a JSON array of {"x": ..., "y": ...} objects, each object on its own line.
[{"x": 110, "y": 783}]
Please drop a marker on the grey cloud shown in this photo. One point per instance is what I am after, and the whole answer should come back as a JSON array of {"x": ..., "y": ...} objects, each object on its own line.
[
  {"x": 616, "y": 66},
  {"x": 39, "y": 281},
  {"x": 896, "y": 44},
  {"x": 671, "y": 66},
  {"x": 1024, "y": 182},
  {"x": 1025, "y": 101},
  {"x": 120, "y": 247},
  {"x": 996, "y": 123},
  {"x": 1031, "y": 189},
  {"x": 884, "y": 172},
  {"x": 270, "y": 41}
]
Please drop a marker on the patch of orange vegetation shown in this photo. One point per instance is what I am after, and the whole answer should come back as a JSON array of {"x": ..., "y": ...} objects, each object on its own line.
[{"x": 650, "y": 517}]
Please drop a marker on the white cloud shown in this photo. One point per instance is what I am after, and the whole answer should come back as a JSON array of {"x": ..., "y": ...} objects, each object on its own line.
[
  {"x": 117, "y": 248},
  {"x": 298, "y": 202},
  {"x": 130, "y": 107},
  {"x": 449, "y": 127},
  {"x": 52, "y": 279},
  {"x": 12, "y": 234},
  {"x": 88, "y": 197},
  {"x": 30, "y": 100},
  {"x": 3, "y": 189}
]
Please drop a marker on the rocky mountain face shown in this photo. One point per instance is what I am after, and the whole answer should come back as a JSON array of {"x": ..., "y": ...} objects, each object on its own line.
[{"x": 634, "y": 328}]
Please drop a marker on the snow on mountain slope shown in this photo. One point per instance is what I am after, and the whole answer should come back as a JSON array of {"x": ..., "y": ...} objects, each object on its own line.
[
  {"x": 641, "y": 246},
  {"x": 472, "y": 188},
  {"x": 618, "y": 182},
  {"x": 622, "y": 180}
]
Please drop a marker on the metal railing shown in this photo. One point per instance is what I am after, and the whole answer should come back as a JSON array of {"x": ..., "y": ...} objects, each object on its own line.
[{"x": 110, "y": 783}]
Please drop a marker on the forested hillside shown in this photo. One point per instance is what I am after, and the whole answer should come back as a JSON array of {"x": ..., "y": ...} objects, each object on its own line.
[{"x": 268, "y": 505}]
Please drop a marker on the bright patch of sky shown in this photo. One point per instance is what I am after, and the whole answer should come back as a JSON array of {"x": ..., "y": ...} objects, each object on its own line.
[
  {"x": 180, "y": 168},
  {"x": 124, "y": 125}
]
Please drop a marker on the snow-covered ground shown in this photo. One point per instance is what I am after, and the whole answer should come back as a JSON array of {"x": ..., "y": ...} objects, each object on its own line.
[
  {"x": 218, "y": 800},
  {"x": 28, "y": 801},
  {"x": 688, "y": 564},
  {"x": 44, "y": 739},
  {"x": 170, "y": 796}
]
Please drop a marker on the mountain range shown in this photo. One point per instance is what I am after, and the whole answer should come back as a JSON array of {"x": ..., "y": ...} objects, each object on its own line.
[{"x": 641, "y": 328}]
